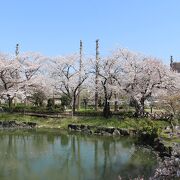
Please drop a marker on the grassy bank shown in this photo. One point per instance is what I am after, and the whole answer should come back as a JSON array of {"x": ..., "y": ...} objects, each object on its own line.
[
  {"x": 93, "y": 121},
  {"x": 62, "y": 123}
]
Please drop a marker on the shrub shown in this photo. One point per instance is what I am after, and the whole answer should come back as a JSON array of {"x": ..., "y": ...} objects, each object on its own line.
[
  {"x": 50, "y": 104},
  {"x": 65, "y": 100},
  {"x": 38, "y": 98}
]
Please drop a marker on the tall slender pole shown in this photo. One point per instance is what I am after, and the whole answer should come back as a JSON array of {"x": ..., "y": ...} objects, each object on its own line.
[
  {"x": 17, "y": 50},
  {"x": 16, "y": 54},
  {"x": 96, "y": 74},
  {"x": 80, "y": 70},
  {"x": 171, "y": 63}
]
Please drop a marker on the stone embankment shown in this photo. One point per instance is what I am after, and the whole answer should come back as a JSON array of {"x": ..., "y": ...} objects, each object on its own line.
[
  {"x": 15, "y": 125},
  {"x": 169, "y": 167},
  {"x": 101, "y": 130}
]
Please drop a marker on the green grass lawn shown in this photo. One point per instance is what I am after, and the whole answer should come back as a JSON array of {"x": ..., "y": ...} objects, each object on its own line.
[{"x": 92, "y": 121}]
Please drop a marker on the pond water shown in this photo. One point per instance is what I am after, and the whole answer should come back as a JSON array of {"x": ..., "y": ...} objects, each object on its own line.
[{"x": 50, "y": 154}]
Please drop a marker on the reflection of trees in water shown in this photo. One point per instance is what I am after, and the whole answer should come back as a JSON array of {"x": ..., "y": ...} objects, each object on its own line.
[
  {"x": 11, "y": 154},
  {"x": 106, "y": 147},
  {"x": 64, "y": 140},
  {"x": 50, "y": 139},
  {"x": 142, "y": 163},
  {"x": 112, "y": 155},
  {"x": 55, "y": 155},
  {"x": 103, "y": 155},
  {"x": 96, "y": 158},
  {"x": 26, "y": 149}
]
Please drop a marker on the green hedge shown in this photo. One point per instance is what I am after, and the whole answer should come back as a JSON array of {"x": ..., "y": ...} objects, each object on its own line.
[
  {"x": 84, "y": 113},
  {"x": 32, "y": 109},
  {"x": 100, "y": 113}
]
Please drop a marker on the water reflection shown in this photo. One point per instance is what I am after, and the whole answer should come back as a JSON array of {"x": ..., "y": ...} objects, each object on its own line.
[{"x": 55, "y": 155}]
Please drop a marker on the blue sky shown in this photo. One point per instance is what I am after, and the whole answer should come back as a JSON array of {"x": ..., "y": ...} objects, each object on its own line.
[{"x": 54, "y": 27}]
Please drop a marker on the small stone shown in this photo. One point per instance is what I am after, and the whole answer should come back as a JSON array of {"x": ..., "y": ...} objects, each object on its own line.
[{"x": 116, "y": 133}]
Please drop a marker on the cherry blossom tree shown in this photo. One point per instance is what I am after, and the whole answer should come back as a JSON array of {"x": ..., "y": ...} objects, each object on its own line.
[
  {"x": 9, "y": 77},
  {"x": 65, "y": 76},
  {"x": 124, "y": 73},
  {"x": 109, "y": 68},
  {"x": 32, "y": 75},
  {"x": 142, "y": 77}
]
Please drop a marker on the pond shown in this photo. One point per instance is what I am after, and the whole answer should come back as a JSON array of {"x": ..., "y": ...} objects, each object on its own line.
[{"x": 52, "y": 154}]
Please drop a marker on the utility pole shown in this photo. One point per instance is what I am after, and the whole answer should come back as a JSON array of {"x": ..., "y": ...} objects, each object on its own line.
[
  {"x": 171, "y": 63},
  {"x": 96, "y": 74},
  {"x": 17, "y": 50},
  {"x": 16, "y": 54},
  {"x": 80, "y": 70}
]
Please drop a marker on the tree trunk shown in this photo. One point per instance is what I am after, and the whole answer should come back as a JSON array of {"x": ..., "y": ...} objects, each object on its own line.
[
  {"x": 74, "y": 103},
  {"x": 10, "y": 102},
  {"x": 106, "y": 110},
  {"x": 85, "y": 104},
  {"x": 115, "y": 103},
  {"x": 142, "y": 106},
  {"x": 96, "y": 101},
  {"x": 139, "y": 108}
]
